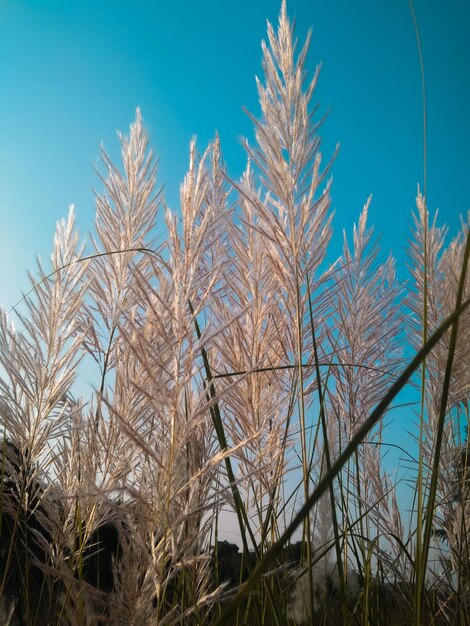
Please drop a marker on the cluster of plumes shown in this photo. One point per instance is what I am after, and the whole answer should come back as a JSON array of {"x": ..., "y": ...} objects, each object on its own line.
[
  {"x": 44, "y": 578},
  {"x": 437, "y": 268},
  {"x": 233, "y": 365},
  {"x": 142, "y": 443}
]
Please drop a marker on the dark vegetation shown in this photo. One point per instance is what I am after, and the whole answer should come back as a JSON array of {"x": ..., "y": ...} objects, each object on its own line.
[
  {"x": 29, "y": 531},
  {"x": 30, "y": 536}
]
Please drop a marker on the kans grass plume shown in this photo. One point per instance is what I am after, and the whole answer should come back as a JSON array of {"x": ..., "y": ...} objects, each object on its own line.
[{"x": 234, "y": 364}]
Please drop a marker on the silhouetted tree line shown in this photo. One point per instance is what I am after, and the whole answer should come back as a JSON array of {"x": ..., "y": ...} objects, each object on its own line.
[{"x": 234, "y": 566}]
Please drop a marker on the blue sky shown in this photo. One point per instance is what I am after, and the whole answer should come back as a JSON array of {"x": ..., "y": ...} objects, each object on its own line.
[{"x": 71, "y": 73}]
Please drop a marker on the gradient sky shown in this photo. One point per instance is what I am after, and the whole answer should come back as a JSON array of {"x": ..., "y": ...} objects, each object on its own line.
[{"x": 73, "y": 72}]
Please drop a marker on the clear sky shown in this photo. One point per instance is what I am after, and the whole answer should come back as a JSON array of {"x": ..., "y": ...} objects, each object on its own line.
[{"x": 73, "y": 72}]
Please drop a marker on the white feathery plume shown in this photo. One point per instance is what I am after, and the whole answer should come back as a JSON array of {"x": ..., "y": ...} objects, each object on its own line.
[
  {"x": 367, "y": 335},
  {"x": 39, "y": 360},
  {"x": 366, "y": 340},
  {"x": 293, "y": 213},
  {"x": 255, "y": 402},
  {"x": 436, "y": 269}
]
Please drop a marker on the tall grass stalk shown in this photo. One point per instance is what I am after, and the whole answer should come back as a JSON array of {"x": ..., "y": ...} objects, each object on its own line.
[
  {"x": 237, "y": 370},
  {"x": 361, "y": 433}
]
